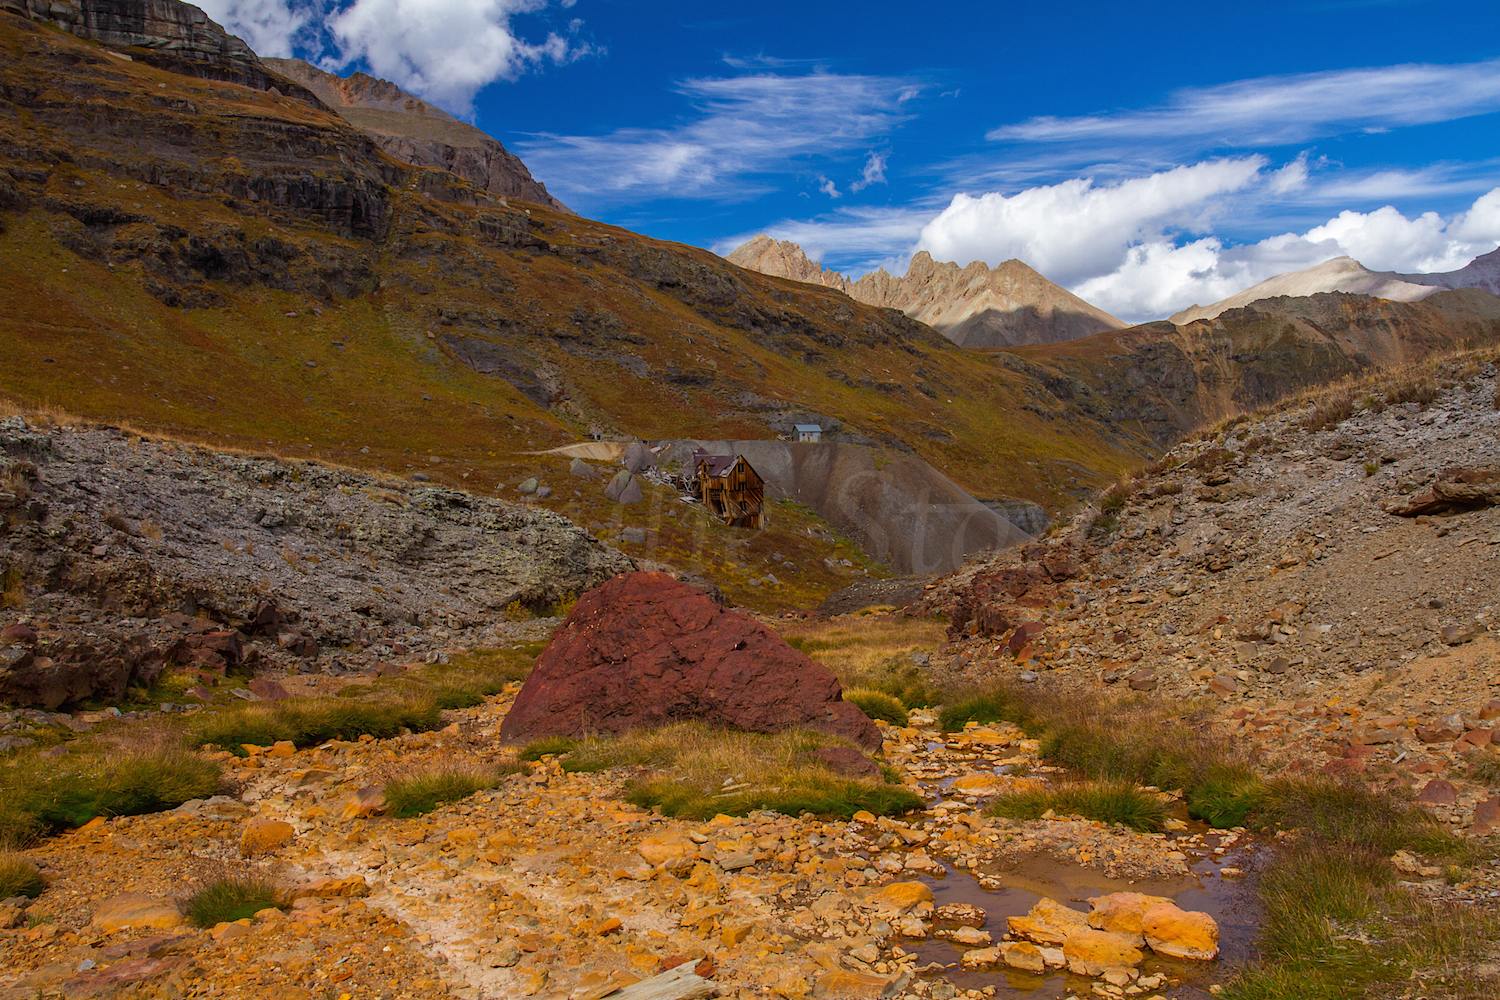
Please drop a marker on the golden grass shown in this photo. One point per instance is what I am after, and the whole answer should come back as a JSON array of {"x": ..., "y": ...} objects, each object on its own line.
[{"x": 696, "y": 771}]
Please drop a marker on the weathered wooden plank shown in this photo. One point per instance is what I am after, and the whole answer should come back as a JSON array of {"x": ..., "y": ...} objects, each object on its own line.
[{"x": 680, "y": 983}]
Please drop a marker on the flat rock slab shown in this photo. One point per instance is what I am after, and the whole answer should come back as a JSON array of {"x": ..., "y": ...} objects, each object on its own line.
[{"x": 645, "y": 650}]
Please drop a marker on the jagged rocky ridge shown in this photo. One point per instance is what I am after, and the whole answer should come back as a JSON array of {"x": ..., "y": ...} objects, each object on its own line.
[
  {"x": 418, "y": 133},
  {"x": 974, "y": 306}
]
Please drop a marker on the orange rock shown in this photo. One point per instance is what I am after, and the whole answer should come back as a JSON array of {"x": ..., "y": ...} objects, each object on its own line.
[
  {"x": 844, "y": 983},
  {"x": 1179, "y": 933},
  {"x": 1049, "y": 922},
  {"x": 231, "y": 931},
  {"x": 262, "y": 835},
  {"x": 1121, "y": 913},
  {"x": 137, "y": 910},
  {"x": 1090, "y": 952}
]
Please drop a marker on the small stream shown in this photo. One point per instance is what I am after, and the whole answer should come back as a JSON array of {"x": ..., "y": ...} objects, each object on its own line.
[{"x": 1026, "y": 879}]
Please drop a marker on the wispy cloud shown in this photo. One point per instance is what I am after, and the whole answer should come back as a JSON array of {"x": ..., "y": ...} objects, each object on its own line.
[
  {"x": 1273, "y": 111},
  {"x": 874, "y": 172},
  {"x": 741, "y": 130}
]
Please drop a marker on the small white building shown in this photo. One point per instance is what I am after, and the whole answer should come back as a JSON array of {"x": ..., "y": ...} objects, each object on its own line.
[{"x": 809, "y": 432}]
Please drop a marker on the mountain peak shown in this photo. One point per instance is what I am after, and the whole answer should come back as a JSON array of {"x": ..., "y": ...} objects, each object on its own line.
[
  {"x": 1345, "y": 274},
  {"x": 973, "y": 306}
]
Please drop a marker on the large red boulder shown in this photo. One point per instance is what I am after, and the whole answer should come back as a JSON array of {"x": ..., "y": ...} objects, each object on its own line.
[{"x": 644, "y": 650}]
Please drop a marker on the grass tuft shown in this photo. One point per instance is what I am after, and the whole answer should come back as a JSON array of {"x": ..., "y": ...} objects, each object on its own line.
[
  {"x": 228, "y": 899},
  {"x": 1105, "y": 801},
  {"x": 1484, "y": 767},
  {"x": 42, "y": 794},
  {"x": 310, "y": 721},
  {"x": 18, "y": 876},
  {"x": 878, "y": 705},
  {"x": 423, "y": 792},
  {"x": 547, "y": 746}
]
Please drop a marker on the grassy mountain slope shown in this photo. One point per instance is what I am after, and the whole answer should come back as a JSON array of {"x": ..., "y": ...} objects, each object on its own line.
[{"x": 203, "y": 259}]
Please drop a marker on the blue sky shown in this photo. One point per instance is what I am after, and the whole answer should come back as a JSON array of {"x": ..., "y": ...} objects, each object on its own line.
[{"x": 1145, "y": 156}]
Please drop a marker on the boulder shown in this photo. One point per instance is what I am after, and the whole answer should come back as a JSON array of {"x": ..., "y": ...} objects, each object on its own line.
[
  {"x": 19, "y": 633},
  {"x": 1121, "y": 913},
  {"x": 638, "y": 458},
  {"x": 583, "y": 470},
  {"x": 267, "y": 690},
  {"x": 72, "y": 671},
  {"x": 902, "y": 897},
  {"x": 644, "y": 650},
  {"x": 1023, "y": 955},
  {"x": 1089, "y": 952},
  {"x": 1049, "y": 922},
  {"x": 623, "y": 488},
  {"x": 1179, "y": 933}
]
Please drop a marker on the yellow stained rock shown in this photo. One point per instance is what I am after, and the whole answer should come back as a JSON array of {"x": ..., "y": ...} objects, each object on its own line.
[
  {"x": 980, "y": 784},
  {"x": 733, "y": 934},
  {"x": 1049, "y": 922},
  {"x": 1179, "y": 933},
  {"x": 462, "y": 837},
  {"x": 333, "y": 888},
  {"x": 1090, "y": 952},
  {"x": 230, "y": 931},
  {"x": 666, "y": 845},
  {"x": 1121, "y": 913},
  {"x": 900, "y": 897},
  {"x": 863, "y": 816},
  {"x": 282, "y": 748},
  {"x": 366, "y": 802},
  {"x": 1023, "y": 955},
  {"x": 844, "y": 983},
  {"x": 263, "y": 835},
  {"x": 137, "y": 910}
]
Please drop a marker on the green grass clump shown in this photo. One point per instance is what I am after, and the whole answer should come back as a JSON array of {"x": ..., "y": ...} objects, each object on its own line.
[
  {"x": 878, "y": 705},
  {"x": 1105, "y": 801},
  {"x": 1355, "y": 817},
  {"x": 1484, "y": 767},
  {"x": 423, "y": 792},
  {"x": 310, "y": 721},
  {"x": 547, "y": 746},
  {"x": 228, "y": 899},
  {"x": 18, "y": 876},
  {"x": 44, "y": 794},
  {"x": 699, "y": 772},
  {"x": 996, "y": 704}
]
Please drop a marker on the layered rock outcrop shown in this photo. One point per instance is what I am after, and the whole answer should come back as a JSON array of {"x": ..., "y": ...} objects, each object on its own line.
[
  {"x": 166, "y": 33},
  {"x": 973, "y": 306},
  {"x": 644, "y": 650},
  {"x": 414, "y": 131}
]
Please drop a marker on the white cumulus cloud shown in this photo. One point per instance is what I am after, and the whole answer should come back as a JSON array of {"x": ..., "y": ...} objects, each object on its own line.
[
  {"x": 444, "y": 50},
  {"x": 1076, "y": 230},
  {"x": 270, "y": 27},
  {"x": 1155, "y": 278}
]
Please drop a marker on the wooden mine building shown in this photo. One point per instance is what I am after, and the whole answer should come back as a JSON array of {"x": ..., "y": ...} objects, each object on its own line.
[{"x": 731, "y": 488}]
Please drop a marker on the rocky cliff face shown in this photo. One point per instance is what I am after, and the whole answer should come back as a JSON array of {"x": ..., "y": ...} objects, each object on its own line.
[
  {"x": 415, "y": 132},
  {"x": 973, "y": 306},
  {"x": 165, "y": 33}
]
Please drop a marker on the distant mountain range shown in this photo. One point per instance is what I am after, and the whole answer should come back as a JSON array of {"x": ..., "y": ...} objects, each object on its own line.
[
  {"x": 974, "y": 306},
  {"x": 1345, "y": 274},
  {"x": 415, "y": 132}
]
